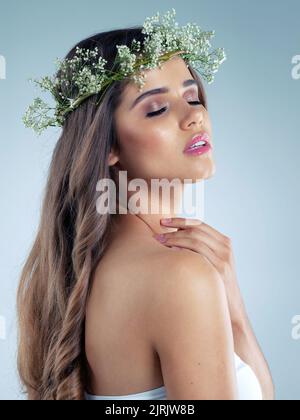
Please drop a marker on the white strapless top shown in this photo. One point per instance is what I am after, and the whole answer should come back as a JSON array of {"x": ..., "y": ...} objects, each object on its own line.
[{"x": 247, "y": 383}]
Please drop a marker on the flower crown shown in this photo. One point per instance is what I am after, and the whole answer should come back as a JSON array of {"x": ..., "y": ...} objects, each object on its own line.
[{"x": 76, "y": 80}]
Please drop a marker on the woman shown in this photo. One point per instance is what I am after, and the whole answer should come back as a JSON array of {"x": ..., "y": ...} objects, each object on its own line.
[{"x": 105, "y": 309}]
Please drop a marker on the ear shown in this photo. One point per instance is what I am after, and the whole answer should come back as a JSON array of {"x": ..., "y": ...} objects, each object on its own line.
[{"x": 113, "y": 157}]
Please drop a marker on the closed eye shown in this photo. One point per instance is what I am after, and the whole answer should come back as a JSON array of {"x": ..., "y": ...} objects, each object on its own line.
[{"x": 162, "y": 110}]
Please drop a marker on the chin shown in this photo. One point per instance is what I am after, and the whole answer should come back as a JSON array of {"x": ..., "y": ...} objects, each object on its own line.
[
  {"x": 204, "y": 173},
  {"x": 210, "y": 175}
]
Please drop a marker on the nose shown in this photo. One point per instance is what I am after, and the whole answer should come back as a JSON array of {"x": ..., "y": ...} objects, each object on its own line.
[{"x": 194, "y": 117}]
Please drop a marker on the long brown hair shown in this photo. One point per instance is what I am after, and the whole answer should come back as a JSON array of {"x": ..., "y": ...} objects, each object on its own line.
[{"x": 71, "y": 239}]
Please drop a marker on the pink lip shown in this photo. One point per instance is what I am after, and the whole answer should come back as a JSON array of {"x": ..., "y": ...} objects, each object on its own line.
[{"x": 198, "y": 150}]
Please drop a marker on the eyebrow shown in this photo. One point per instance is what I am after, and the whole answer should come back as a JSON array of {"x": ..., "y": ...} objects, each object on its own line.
[{"x": 186, "y": 83}]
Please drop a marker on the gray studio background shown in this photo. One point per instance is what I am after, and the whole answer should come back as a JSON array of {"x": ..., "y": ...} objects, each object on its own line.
[{"x": 254, "y": 195}]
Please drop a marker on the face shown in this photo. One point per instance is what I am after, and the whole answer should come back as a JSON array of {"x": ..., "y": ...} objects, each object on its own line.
[{"x": 153, "y": 131}]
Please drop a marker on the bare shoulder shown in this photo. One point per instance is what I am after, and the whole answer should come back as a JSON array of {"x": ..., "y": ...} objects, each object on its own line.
[
  {"x": 174, "y": 265},
  {"x": 184, "y": 273},
  {"x": 190, "y": 328}
]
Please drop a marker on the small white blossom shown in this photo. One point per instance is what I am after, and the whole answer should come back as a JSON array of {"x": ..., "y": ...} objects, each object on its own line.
[
  {"x": 37, "y": 116},
  {"x": 126, "y": 59}
]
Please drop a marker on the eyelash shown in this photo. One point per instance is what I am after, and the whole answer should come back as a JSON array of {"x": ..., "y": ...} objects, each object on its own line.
[{"x": 162, "y": 110}]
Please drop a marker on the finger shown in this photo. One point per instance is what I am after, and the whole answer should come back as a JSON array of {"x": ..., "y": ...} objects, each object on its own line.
[
  {"x": 196, "y": 246},
  {"x": 181, "y": 222},
  {"x": 211, "y": 231},
  {"x": 215, "y": 245},
  {"x": 184, "y": 223}
]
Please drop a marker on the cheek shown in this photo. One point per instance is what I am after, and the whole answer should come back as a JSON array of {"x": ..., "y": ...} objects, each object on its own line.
[
  {"x": 146, "y": 145},
  {"x": 159, "y": 137},
  {"x": 148, "y": 137}
]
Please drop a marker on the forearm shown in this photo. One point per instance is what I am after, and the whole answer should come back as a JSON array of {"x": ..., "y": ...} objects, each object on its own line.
[{"x": 247, "y": 348}]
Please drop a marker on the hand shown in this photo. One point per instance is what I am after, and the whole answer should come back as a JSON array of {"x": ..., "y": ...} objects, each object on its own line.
[{"x": 199, "y": 237}]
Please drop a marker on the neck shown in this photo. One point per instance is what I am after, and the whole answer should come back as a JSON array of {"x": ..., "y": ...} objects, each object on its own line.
[{"x": 147, "y": 223}]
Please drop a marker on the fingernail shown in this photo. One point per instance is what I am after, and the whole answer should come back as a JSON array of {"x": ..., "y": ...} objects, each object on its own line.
[
  {"x": 160, "y": 238},
  {"x": 166, "y": 220}
]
